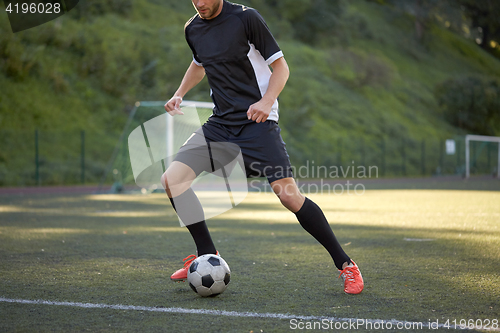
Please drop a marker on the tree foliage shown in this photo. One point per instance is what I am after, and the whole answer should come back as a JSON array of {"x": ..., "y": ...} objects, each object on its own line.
[
  {"x": 481, "y": 17},
  {"x": 421, "y": 10},
  {"x": 312, "y": 20},
  {"x": 92, "y": 8},
  {"x": 484, "y": 16},
  {"x": 471, "y": 103},
  {"x": 356, "y": 70}
]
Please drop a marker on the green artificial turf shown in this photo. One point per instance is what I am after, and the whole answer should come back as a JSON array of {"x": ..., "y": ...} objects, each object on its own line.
[{"x": 121, "y": 249}]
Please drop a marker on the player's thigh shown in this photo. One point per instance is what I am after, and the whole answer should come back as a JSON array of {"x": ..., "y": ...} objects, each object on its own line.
[{"x": 191, "y": 160}]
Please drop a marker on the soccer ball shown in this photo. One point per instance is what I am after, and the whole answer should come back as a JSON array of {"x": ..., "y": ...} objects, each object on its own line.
[{"x": 209, "y": 275}]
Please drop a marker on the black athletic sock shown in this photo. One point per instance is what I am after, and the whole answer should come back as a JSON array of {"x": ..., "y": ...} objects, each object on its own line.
[
  {"x": 190, "y": 211},
  {"x": 313, "y": 220}
]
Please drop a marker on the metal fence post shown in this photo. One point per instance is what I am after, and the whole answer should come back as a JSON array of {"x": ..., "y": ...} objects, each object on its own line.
[
  {"x": 489, "y": 145},
  {"x": 340, "y": 152},
  {"x": 37, "y": 160},
  {"x": 441, "y": 157},
  {"x": 82, "y": 158},
  {"x": 403, "y": 158},
  {"x": 498, "y": 162},
  {"x": 363, "y": 153},
  {"x": 423, "y": 158},
  {"x": 382, "y": 146}
]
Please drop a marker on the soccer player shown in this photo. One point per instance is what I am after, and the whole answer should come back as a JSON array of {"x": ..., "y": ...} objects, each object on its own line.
[{"x": 233, "y": 47}]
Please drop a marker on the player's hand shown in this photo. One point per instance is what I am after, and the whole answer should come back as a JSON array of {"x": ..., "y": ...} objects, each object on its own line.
[
  {"x": 173, "y": 106},
  {"x": 259, "y": 112}
]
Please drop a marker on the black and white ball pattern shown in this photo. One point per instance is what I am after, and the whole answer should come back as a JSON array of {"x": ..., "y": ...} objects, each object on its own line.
[{"x": 209, "y": 275}]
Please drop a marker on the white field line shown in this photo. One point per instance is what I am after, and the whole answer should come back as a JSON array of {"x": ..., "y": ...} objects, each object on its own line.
[{"x": 392, "y": 322}]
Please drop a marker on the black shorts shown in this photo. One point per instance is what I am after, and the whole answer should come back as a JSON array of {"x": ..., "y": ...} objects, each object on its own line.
[{"x": 215, "y": 145}]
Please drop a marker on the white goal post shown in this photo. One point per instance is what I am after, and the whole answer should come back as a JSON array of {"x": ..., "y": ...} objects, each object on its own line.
[
  {"x": 171, "y": 127},
  {"x": 482, "y": 138}
]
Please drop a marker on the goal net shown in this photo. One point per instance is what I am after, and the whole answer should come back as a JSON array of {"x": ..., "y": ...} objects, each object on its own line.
[
  {"x": 149, "y": 143},
  {"x": 171, "y": 133},
  {"x": 472, "y": 156}
]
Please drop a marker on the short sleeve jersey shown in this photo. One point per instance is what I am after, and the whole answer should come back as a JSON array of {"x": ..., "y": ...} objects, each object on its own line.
[{"x": 235, "y": 48}]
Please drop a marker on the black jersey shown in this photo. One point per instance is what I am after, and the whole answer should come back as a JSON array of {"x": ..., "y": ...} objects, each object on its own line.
[{"x": 236, "y": 49}]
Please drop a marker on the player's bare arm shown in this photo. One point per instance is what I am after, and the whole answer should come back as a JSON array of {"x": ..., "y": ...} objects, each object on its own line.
[
  {"x": 259, "y": 112},
  {"x": 193, "y": 76}
]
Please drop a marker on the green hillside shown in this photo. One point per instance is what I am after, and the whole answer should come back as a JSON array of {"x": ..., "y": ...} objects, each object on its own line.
[{"x": 361, "y": 83}]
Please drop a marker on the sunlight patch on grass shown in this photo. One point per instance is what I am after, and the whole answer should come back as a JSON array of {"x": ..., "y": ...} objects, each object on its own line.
[
  {"x": 127, "y": 197},
  {"x": 461, "y": 210},
  {"x": 11, "y": 209},
  {"x": 71, "y": 211},
  {"x": 280, "y": 215},
  {"x": 26, "y": 231},
  {"x": 471, "y": 281},
  {"x": 129, "y": 213},
  {"x": 33, "y": 210},
  {"x": 145, "y": 230}
]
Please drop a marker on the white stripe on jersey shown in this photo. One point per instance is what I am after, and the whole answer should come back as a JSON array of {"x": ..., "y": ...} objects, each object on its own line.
[
  {"x": 263, "y": 74},
  {"x": 197, "y": 63}
]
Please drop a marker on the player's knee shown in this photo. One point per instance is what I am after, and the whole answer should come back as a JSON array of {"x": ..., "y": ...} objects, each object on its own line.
[
  {"x": 290, "y": 200},
  {"x": 168, "y": 184},
  {"x": 175, "y": 181},
  {"x": 290, "y": 197},
  {"x": 164, "y": 181},
  {"x": 285, "y": 198}
]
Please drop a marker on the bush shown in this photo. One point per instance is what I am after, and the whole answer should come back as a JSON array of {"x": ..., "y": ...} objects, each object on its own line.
[
  {"x": 471, "y": 103},
  {"x": 357, "y": 69},
  {"x": 92, "y": 8},
  {"x": 314, "y": 21},
  {"x": 16, "y": 60}
]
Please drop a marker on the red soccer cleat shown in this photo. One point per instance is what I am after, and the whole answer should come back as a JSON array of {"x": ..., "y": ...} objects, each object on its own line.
[
  {"x": 353, "y": 281},
  {"x": 181, "y": 274}
]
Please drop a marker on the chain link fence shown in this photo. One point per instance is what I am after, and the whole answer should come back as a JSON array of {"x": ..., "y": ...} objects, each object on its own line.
[
  {"x": 48, "y": 157},
  {"x": 44, "y": 157}
]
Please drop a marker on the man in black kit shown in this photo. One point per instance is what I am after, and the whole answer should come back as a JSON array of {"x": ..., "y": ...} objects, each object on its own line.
[{"x": 233, "y": 46}]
